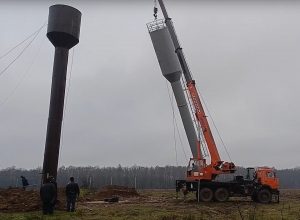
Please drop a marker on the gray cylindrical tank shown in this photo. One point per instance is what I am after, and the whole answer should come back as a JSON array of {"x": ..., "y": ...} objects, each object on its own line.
[
  {"x": 63, "y": 33},
  {"x": 165, "y": 52},
  {"x": 171, "y": 70}
]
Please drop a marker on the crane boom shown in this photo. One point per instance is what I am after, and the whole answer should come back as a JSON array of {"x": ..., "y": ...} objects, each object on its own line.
[{"x": 216, "y": 166}]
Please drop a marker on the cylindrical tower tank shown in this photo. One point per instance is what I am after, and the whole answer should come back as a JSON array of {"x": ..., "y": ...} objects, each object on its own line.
[
  {"x": 171, "y": 70},
  {"x": 63, "y": 26},
  {"x": 63, "y": 32}
]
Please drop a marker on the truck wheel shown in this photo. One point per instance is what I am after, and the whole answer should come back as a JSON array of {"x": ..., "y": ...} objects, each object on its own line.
[
  {"x": 264, "y": 196},
  {"x": 221, "y": 195},
  {"x": 206, "y": 195}
]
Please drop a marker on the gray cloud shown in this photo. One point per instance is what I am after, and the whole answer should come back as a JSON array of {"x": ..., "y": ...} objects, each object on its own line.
[{"x": 244, "y": 57}]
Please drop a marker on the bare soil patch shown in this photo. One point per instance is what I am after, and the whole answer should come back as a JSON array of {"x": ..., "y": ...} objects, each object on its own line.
[
  {"x": 17, "y": 200},
  {"x": 114, "y": 191}
]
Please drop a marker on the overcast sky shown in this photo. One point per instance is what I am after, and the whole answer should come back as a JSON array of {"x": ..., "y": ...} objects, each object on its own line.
[{"x": 244, "y": 56}]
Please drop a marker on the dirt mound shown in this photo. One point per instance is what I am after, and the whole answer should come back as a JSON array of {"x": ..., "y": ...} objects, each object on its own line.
[
  {"x": 114, "y": 191},
  {"x": 18, "y": 200}
]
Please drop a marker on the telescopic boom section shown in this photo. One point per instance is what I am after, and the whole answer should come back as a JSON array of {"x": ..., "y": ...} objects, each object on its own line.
[
  {"x": 201, "y": 117},
  {"x": 217, "y": 166}
]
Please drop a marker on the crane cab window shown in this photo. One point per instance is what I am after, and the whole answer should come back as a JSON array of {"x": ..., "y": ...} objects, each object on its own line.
[
  {"x": 270, "y": 174},
  {"x": 192, "y": 165},
  {"x": 195, "y": 165}
]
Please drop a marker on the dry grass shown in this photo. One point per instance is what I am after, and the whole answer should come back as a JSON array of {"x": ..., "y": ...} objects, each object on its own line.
[{"x": 163, "y": 205}]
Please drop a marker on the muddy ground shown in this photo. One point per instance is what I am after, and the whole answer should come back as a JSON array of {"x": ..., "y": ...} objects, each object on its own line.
[
  {"x": 17, "y": 200},
  {"x": 145, "y": 204}
]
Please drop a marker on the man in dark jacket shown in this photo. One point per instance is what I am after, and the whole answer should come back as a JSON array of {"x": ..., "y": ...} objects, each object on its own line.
[
  {"x": 24, "y": 182},
  {"x": 48, "y": 196},
  {"x": 52, "y": 180},
  {"x": 72, "y": 190}
]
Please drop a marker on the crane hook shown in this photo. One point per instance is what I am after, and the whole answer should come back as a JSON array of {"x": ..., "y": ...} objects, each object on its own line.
[
  {"x": 155, "y": 13},
  {"x": 155, "y": 10}
]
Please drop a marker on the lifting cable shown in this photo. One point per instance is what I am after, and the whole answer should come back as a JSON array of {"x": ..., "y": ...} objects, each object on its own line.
[
  {"x": 65, "y": 107},
  {"x": 24, "y": 40},
  {"x": 175, "y": 125},
  {"x": 37, "y": 32},
  {"x": 26, "y": 70},
  {"x": 214, "y": 124},
  {"x": 172, "y": 105},
  {"x": 209, "y": 113}
]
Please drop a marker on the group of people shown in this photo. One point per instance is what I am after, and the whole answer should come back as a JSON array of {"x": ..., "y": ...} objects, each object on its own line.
[{"x": 48, "y": 193}]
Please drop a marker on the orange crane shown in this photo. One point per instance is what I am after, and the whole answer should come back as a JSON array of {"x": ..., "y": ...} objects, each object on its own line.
[
  {"x": 216, "y": 166},
  {"x": 200, "y": 176}
]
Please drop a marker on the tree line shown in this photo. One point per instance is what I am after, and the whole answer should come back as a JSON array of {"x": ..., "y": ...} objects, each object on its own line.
[{"x": 136, "y": 176}]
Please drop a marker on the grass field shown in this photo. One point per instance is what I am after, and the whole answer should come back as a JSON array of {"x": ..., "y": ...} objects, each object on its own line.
[{"x": 163, "y": 205}]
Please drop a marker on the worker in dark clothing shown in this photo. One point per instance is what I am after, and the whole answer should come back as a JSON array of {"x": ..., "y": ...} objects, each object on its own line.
[
  {"x": 24, "y": 182},
  {"x": 52, "y": 180},
  {"x": 48, "y": 196},
  {"x": 55, "y": 201},
  {"x": 72, "y": 190}
]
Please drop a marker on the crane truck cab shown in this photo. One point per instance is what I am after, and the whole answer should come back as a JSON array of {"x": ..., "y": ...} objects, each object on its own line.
[
  {"x": 266, "y": 185},
  {"x": 194, "y": 168},
  {"x": 197, "y": 169},
  {"x": 267, "y": 177}
]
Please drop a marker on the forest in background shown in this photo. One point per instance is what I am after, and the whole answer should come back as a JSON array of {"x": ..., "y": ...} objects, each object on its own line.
[{"x": 136, "y": 176}]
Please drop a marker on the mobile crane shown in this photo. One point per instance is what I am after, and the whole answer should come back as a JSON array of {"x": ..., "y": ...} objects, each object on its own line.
[{"x": 200, "y": 176}]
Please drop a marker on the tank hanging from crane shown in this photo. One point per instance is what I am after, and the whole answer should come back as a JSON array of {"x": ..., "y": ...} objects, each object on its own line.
[
  {"x": 63, "y": 32},
  {"x": 171, "y": 70}
]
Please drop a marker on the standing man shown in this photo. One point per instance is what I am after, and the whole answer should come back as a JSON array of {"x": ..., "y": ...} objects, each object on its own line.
[
  {"x": 48, "y": 195},
  {"x": 24, "y": 182},
  {"x": 72, "y": 190},
  {"x": 52, "y": 180},
  {"x": 54, "y": 201}
]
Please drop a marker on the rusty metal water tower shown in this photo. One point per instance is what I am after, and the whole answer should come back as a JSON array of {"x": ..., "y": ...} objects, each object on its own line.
[{"x": 63, "y": 32}]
